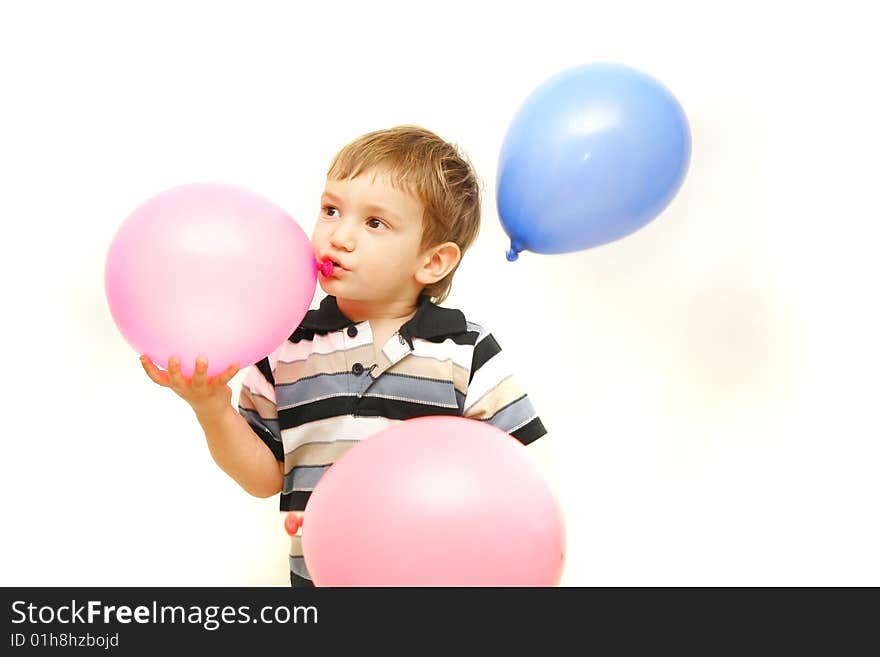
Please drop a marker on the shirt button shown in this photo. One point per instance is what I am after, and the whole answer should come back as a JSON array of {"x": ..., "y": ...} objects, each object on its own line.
[
  {"x": 357, "y": 369},
  {"x": 352, "y": 331}
]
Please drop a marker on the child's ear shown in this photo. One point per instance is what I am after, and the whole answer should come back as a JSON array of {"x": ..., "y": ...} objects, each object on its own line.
[{"x": 439, "y": 261}]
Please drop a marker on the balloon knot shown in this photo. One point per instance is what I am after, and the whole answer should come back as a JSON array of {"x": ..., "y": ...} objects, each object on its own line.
[{"x": 325, "y": 267}]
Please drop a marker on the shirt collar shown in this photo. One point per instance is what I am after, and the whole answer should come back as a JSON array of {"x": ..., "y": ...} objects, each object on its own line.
[{"x": 430, "y": 320}]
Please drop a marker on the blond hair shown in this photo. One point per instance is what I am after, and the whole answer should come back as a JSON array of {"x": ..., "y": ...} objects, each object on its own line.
[{"x": 437, "y": 172}]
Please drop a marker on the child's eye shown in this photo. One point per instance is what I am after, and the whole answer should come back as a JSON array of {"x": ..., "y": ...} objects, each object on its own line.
[
  {"x": 378, "y": 221},
  {"x": 327, "y": 208}
]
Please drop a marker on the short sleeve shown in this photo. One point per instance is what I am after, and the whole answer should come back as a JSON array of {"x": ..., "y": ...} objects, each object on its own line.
[
  {"x": 257, "y": 404},
  {"x": 495, "y": 396}
]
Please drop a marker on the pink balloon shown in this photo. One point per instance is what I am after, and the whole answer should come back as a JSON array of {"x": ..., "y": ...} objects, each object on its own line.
[
  {"x": 209, "y": 270},
  {"x": 434, "y": 501}
]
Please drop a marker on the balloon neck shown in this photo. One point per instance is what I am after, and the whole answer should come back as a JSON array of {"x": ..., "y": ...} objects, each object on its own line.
[
  {"x": 513, "y": 253},
  {"x": 325, "y": 267}
]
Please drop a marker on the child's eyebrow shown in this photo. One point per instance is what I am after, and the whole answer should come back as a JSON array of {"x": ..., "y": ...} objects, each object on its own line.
[
  {"x": 370, "y": 208},
  {"x": 385, "y": 212}
]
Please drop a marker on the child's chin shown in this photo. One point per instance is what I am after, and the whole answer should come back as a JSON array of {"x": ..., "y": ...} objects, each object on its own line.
[
  {"x": 326, "y": 283},
  {"x": 331, "y": 286}
]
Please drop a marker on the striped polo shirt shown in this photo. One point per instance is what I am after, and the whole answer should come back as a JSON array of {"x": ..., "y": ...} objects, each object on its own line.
[{"x": 329, "y": 386}]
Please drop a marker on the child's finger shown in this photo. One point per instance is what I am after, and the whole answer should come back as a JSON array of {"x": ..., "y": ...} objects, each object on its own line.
[
  {"x": 174, "y": 375},
  {"x": 226, "y": 376},
  {"x": 292, "y": 522},
  {"x": 154, "y": 373},
  {"x": 200, "y": 375}
]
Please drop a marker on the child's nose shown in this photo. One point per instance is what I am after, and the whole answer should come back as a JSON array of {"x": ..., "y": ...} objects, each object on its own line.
[{"x": 342, "y": 237}]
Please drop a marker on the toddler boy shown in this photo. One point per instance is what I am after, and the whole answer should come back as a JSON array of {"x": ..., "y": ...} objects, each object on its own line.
[{"x": 400, "y": 208}]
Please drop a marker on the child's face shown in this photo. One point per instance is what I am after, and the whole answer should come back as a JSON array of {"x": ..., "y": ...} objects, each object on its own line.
[{"x": 373, "y": 230}]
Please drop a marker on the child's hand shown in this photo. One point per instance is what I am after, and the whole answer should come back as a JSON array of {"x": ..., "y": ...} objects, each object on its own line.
[
  {"x": 293, "y": 521},
  {"x": 208, "y": 397}
]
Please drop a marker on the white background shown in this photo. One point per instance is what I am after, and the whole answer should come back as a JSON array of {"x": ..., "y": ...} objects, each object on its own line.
[{"x": 717, "y": 424}]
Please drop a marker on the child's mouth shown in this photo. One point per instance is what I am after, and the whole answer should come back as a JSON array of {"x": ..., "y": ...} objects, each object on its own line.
[
  {"x": 326, "y": 268},
  {"x": 329, "y": 267}
]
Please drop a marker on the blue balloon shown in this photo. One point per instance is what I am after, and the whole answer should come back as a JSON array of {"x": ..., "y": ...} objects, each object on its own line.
[{"x": 592, "y": 155}]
